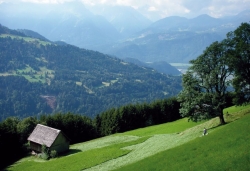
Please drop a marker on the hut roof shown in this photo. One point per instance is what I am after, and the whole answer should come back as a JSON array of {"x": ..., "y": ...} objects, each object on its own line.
[{"x": 44, "y": 135}]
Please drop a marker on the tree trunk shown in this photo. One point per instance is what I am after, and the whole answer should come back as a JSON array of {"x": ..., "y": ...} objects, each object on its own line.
[{"x": 222, "y": 121}]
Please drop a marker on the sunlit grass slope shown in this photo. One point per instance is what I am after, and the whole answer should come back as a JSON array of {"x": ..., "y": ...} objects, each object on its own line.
[
  {"x": 168, "y": 128},
  {"x": 139, "y": 147},
  {"x": 226, "y": 148},
  {"x": 78, "y": 159},
  {"x": 103, "y": 150}
]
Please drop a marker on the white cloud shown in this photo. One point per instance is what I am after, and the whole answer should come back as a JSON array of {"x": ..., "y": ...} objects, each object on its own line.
[
  {"x": 152, "y": 9},
  {"x": 186, "y": 8},
  {"x": 88, "y": 2},
  {"x": 39, "y": 1},
  {"x": 216, "y": 8},
  {"x": 164, "y": 8}
]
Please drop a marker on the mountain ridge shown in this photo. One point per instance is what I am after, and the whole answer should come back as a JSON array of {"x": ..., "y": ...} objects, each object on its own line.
[
  {"x": 121, "y": 31},
  {"x": 177, "y": 39}
]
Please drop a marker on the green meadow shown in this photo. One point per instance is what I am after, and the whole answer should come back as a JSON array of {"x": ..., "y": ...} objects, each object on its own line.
[
  {"x": 27, "y": 39},
  {"x": 177, "y": 145},
  {"x": 43, "y": 75}
]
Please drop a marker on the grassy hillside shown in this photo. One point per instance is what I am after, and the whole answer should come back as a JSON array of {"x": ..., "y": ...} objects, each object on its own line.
[
  {"x": 173, "y": 146},
  {"x": 226, "y": 148}
]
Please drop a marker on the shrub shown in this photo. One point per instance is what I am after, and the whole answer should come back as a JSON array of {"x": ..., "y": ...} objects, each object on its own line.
[
  {"x": 26, "y": 148},
  {"x": 44, "y": 156},
  {"x": 45, "y": 152},
  {"x": 45, "y": 149},
  {"x": 53, "y": 154}
]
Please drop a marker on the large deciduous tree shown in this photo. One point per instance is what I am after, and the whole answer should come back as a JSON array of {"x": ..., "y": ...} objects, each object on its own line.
[
  {"x": 239, "y": 61},
  {"x": 205, "y": 85}
]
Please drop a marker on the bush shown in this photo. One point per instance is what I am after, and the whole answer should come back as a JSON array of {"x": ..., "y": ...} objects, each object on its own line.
[
  {"x": 53, "y": 154},
  {"x": 45, "y": 152},
  {"x": 44, "y": 156},
  {"x": 45, "y": 149},
  {"x": 26, "y": 148}
]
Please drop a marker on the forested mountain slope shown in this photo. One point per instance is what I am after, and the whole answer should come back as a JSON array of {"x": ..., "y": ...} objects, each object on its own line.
[{"x": 39, "y": 76}]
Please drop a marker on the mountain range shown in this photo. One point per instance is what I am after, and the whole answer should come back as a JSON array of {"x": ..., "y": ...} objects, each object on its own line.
[
  {"x": 121, "y": 31},
  {"x": 177, "y": 39}
]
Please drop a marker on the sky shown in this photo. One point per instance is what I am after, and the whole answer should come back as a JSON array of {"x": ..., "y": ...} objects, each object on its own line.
[{"x": 157, "y": 9}]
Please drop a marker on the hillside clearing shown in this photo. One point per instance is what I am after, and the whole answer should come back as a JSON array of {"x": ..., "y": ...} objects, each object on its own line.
[
  {"x": 28, "y": 39},
  {"x": 43, "y": 75},
  {"x": 119, "y": 150}
]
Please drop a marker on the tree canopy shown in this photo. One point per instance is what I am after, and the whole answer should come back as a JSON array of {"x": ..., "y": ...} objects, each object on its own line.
[
  {"x": 207, "y": 82},
  {"x": 239, "y": 61},
  {"x": 205, "y": 85}
]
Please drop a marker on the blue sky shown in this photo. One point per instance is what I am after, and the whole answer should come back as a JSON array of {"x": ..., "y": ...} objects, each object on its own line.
[{"x": 157, "y": 9}]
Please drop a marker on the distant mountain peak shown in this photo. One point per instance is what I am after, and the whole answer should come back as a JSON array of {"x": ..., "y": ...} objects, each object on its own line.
[{"x": 203, "y": 16}]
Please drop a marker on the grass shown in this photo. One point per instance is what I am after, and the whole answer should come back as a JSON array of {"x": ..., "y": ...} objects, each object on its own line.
[
  {"x": 27, "y": 39},
  {"x": 78, "y": 83},
  {"x": 237, "y": 109},
  {"x": 106, "y": 84},
  {"x": 172, "y": 146},
  {"x": 76, "y": 159},
  {"x": 227, "y": 148},
  {"x": 172, "y": 127},
  {"x": 32, "y": 75}
]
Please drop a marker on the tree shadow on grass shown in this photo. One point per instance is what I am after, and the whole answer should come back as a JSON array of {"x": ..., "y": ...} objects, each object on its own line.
[
  {"x": 70, "y": 152},
  {"x": 219, "y": 125},
  {"x": 229, "y": 118},
  {"x": 214, "y": 127}
]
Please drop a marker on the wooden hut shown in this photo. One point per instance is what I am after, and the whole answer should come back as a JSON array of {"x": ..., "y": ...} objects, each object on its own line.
[{"x": 52, "y": 138}]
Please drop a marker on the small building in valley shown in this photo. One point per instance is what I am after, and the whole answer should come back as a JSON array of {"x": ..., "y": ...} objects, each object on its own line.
[{"x": 52, "y": 138}]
